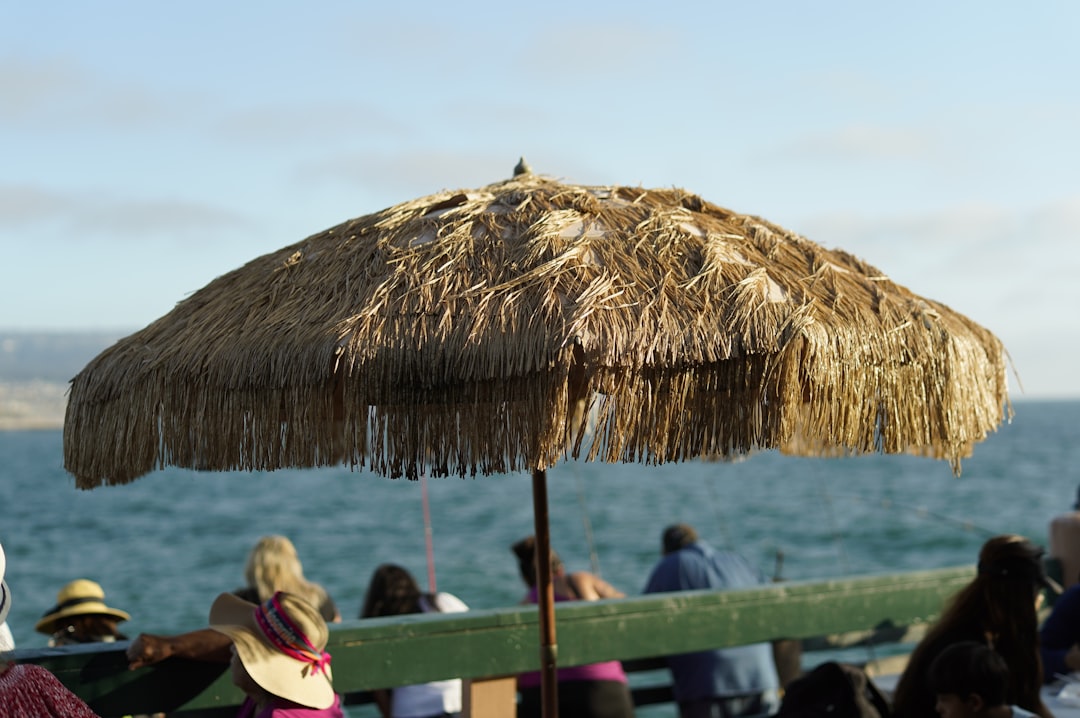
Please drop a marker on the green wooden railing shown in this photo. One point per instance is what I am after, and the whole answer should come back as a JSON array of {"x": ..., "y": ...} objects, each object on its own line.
[{"x": 485, "y": 644}]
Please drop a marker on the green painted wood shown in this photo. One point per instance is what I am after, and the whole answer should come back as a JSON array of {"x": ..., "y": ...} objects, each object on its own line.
[{"x": 385, "y": 652}]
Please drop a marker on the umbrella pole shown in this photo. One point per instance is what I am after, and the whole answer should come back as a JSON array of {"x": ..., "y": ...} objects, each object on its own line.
[{"x": 545, "y": 598}]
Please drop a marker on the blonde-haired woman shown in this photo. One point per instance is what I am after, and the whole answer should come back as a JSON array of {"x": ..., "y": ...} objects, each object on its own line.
[{"x": 273, "y": 565}]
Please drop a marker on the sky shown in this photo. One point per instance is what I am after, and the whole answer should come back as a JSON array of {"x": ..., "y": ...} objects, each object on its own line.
[{"x": 147, "y": 148}]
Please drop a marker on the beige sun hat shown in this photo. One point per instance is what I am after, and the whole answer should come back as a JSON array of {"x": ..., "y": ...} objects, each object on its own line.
[
  {"x": 81, "y": 597},
  {"x": 281, "y": 643}
]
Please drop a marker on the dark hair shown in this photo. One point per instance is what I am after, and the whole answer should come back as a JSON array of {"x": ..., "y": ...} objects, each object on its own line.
[
  {"x": 86, "y": 628},
  {"x": 970, "y": 668},
  {"x": 997, "y": 608},
  {"x": 676, "y": 537},
  {"x": 393, "y": 591},
  {"x": 525, "y": 550}
]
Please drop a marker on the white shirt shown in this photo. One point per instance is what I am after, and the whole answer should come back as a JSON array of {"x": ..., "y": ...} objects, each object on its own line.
[
  {"x": 437, "y": 697},
  {"x": 7, "y": 641}
]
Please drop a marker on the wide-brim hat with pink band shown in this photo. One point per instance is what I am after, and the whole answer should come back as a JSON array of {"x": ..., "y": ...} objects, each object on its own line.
[{"x": 282, "y": 644}]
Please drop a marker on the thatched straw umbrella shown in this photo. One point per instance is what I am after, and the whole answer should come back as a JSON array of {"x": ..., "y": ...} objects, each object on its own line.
[{"x": 469, "y": 332}]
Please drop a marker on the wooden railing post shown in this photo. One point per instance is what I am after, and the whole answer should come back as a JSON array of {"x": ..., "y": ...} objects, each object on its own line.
[{"x": 489, "y": 697}]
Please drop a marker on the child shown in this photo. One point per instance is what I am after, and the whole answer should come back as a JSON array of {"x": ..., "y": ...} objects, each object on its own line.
[
  {"x": 279, "y": 656},
  {"x": 970, "y": 680}
]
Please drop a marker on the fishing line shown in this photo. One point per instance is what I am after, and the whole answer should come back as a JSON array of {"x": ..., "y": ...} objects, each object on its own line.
[
  {"x": 838, "y": 538},
  {"x": 721, "y": 519},
  {"x": 923, "y": 512},
  {"x": 594, "y": 558},
  {"x": 888, "y": 504}
]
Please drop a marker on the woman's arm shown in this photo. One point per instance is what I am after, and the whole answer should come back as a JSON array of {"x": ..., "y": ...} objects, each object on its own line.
[
  {"x": 591, "y": 587},
  {"x": 206, "y": 644}
]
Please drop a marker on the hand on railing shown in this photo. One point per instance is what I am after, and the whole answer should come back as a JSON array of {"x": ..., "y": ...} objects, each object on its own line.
[{"x": 202, "y": 645}]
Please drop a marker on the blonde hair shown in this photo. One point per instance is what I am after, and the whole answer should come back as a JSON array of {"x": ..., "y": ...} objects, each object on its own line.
[{"x": 273, "y": 565}]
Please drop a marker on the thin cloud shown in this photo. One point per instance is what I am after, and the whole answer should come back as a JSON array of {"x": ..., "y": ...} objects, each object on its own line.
[
  {"x": 59, "y": 93},
  {"x": 861, "y": 143},
  {"x": 273, "y": 124},
  {"x": 80, "y": 213},
  {"x": 23, "y": 206},
  {"x": 850, "y": 87},
  {"x": 1005, "y": 267},
  {"x": 616, "y": 51},
  {"x": 30, "y": 89},
  {"x": 1046, "y": 229},
  {"x": 410, "y": 173}
]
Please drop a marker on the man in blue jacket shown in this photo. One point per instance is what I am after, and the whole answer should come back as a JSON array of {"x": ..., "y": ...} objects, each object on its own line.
[{"x": 722, "y": 683}]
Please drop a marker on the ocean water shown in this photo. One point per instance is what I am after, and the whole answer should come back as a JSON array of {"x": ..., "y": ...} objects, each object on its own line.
[{"x": 164, "y": 546}]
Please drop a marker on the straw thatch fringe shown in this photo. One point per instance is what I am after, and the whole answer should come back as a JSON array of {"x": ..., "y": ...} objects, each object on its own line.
[{"x": 461, "y": 334}]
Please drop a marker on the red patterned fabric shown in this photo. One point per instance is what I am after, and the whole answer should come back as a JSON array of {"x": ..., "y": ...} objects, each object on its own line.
[{"x": 30, "y": 691}]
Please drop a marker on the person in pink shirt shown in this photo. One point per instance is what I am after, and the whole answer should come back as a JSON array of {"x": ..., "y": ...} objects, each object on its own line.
[{"x": 597, "y": 690}]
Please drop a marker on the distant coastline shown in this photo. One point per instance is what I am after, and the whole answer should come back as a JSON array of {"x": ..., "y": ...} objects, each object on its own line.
[
  {"x": 32, "y": 405},
  {"x": 35, "y": 368}
]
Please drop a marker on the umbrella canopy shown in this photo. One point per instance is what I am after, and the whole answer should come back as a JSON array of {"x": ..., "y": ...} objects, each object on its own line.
[{"x": 465, "y": 332}]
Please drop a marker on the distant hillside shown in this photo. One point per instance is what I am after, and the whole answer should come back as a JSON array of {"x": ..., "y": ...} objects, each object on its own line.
[
  {"x": 35, "y": 368},
  {"x": 49, "y": 356}
]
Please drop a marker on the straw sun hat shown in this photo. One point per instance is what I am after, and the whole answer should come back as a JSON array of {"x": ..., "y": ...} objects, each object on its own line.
[
  {"x": 281, "y": 643},
  {"x": 81, "y": 597}
]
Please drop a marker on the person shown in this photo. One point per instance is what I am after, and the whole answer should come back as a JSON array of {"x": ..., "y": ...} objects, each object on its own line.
[
  {"x": 272, "y": 565},
  {"x": 1064, "y": 543},
  {"x": 1059, "y": 636},
  {"x": 81, "y": 616},
  {"x": 970, "y": 680},
  {"x": 31, "y": 690},
  {"x": 724, "y": 682},
  {"x": 998, "y": 608},
  {"x": 7, "y": 640},
  {"x": 278, "y": 656},
  {"x": 596, "y": 690},
  {"x": 393, "y": 591}
]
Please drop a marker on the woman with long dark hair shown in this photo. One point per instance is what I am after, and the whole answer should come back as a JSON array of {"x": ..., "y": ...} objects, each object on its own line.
[
  {"x": 393, "y": 591},
  {"x": 999, "y": 608}
]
